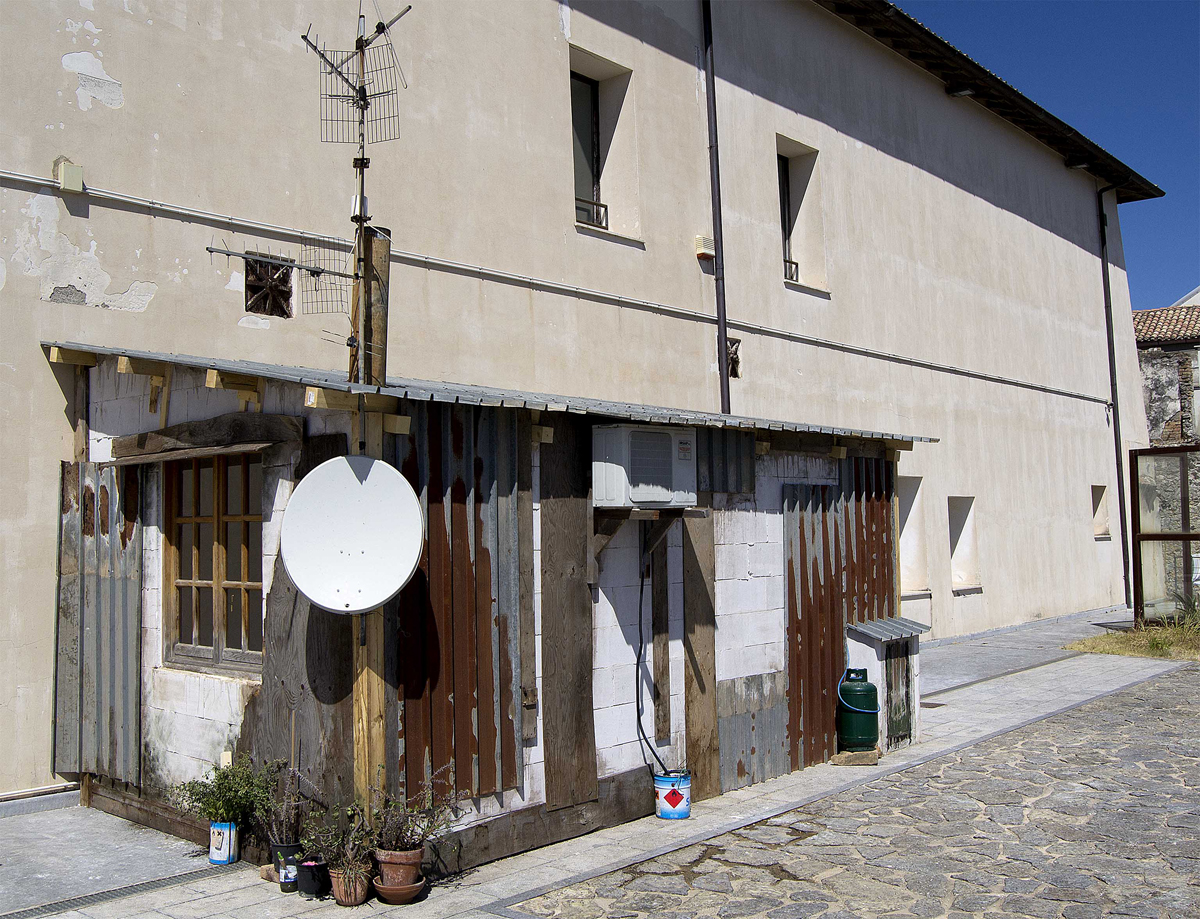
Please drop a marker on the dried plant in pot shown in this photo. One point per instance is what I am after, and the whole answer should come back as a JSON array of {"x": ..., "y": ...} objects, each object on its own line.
[
  {"x": 404, "y": 826},
  {"x": 343, "y": 839},
  {"x": 281, "y": 818}
]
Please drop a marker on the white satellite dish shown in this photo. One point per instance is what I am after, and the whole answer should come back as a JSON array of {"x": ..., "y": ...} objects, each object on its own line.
[{"x": 352, "y": 534}]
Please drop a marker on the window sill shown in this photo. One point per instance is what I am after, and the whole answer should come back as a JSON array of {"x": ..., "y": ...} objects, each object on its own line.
[
  {"x": 586, "y": 229},
  {"x": 806, "y": 289},
  {"x": 967, "y": 591},
  {"x": 180, "y": 664},
  {"x": 925, "y": 594},
  {"x": 1104, "y": 537}
]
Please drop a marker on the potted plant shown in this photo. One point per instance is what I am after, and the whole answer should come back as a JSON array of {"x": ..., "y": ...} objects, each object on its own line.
[
  {"x": 228, "y": 797},
  {"x": 404, "y": 826},
  {"x": 343, "y": 839},
  {"x": 281, "y": 819}
]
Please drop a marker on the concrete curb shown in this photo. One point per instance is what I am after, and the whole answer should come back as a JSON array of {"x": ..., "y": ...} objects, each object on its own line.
[
  {"x": 39, "y": 803},
  {"x": 1082, "y": 614}
]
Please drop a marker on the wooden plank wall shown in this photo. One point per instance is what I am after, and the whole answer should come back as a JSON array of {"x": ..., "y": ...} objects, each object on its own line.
[
  {"x": 659, "y": 616},
  {"x": 98, "y": 679},
  {"x": 700, "y": 654},
  {"x": 304, "y": 710},
  {"x": 567, "y": 655},
  {"x": 456, "y": 715},
  {"x": 840, "y": 569}
]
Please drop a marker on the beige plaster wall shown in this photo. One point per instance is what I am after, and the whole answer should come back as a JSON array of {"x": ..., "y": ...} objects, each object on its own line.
[{"x": 948, "y": 236}]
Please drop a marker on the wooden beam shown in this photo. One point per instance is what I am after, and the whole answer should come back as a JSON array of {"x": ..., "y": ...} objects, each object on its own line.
[
  {"x": 527, "y": 637},
  {"x": 700, "y": 657},
  {"x": 144, "y": 367},
  {"x": 221, "y": 379},
  {"x": 165, "y": 398},
  {"x": 370, "y": 699},
  {"x": 222, "y": 431},
  {"x": 659, "y": 615},
  {"x": 397, "y": 424},
  {"x": 68, "y": 356},
  {"x": 340, "y": 401},
  {"x": 658, "y": 532}
]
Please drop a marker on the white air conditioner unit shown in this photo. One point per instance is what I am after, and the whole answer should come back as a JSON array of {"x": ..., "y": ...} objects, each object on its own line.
[{"x": 637, "y": 465}]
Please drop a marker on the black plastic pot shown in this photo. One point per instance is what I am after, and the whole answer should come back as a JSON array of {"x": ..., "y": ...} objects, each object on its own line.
[
  {"x": 283, "y": 857},
  {"x": 313, "y": 879}
]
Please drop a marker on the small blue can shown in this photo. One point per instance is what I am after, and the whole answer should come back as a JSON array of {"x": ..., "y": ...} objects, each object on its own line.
[{"x": 673, "y": 794}]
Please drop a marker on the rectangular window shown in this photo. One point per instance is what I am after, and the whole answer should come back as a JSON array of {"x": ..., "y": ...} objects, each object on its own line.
[
  {"x": 791, "y": 271},
  {"x": 213, "y": 526},
  {"x": 802, "y": 220},
  {"x": 914, "y": 567},
  {"x": 1100, "y": 528},
  {"x": 964, "y": 555},
  {"x": 585, "y": 126}
]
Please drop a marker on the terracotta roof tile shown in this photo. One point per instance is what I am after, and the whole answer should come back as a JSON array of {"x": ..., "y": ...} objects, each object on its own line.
[{"x": 1171, "y": 324}]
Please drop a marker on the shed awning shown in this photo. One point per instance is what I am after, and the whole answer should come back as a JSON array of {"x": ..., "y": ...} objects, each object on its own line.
[
  {"x": 889, "y": 629},
  {"x": 469, "y": 394}
]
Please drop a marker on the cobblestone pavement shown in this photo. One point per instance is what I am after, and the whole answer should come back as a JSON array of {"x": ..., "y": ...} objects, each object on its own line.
[{"x": 1090, "y": 813}]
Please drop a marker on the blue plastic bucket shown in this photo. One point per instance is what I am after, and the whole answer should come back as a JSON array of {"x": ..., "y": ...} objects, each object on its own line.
[
  {"x": 222, "y": 843},
  {"x": 673, "y": 795}
]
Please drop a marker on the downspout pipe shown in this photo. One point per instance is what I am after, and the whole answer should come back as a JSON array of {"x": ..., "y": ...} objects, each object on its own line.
[
  {"x": 714, "y": 171},
  {"x": 1114, "y": 397}
]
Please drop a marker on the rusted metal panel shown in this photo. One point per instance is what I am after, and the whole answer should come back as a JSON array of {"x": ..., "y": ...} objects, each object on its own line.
[
  {"x": 507, "y": 580},
  {"x": 69, "y": 626},
  {"x": 724, "y": 460},
  {"x": 109, "y": 571},
  {"x": 752, "y": 723}
]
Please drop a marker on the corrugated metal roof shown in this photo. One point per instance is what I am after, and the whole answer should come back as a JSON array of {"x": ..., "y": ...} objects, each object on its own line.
[
  {"x": 889, "y": 629},
  {"x": 468, "y": 394}
]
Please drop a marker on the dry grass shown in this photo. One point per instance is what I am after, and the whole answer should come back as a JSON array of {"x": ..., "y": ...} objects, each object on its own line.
[{"x": 1175, "y": 642}]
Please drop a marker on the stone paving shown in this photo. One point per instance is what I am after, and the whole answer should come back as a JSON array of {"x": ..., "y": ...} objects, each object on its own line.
[{"x": 1089, "y": 813}]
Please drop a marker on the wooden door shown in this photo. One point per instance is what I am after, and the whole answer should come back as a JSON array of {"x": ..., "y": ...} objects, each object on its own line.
[{"x": 898, "y": 674}]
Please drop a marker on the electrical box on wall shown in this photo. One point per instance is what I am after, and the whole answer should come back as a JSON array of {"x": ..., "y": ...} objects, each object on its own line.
[{"x": 643, "y": 466}]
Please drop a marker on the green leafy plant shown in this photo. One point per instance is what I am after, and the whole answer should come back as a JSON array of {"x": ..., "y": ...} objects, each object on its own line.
[
  {"x": 343, "y": 838},
  {"x": 228, "y": 794},
  {"x": 402, "y": 825}
]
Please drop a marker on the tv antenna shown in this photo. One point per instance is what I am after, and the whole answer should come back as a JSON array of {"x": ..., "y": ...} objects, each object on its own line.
[{"x": 359, "y": 91}]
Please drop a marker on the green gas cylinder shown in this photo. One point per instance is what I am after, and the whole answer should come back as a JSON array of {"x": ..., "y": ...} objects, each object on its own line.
[{"x": 857, "y": 712}]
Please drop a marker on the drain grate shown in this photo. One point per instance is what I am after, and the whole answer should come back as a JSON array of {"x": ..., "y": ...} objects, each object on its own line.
[{"x": 104, "y": 896}]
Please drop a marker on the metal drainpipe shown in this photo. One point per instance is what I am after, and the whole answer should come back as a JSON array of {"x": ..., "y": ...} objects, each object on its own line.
[
  {"x": 714, "y": 170},
  {"x": 1112, "y": 376}
]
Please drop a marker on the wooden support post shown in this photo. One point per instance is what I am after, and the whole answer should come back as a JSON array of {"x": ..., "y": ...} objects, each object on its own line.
[
  {"x": 83, "y": 396},
  {"x": 164, "y": 398},
  {"x": 370, "y": 699},
  {"x": 659, "y": 614},
  {"x": 700, "y": 655}
]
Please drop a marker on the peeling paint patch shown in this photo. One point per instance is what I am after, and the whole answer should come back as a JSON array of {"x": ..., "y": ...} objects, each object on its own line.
[
  {"x": 254, "y": 322},
  {"x": 237, "y": 281},
  {"x": 94, "y": 83},
  {"x": 66, "y": 273},
  {"x": 88, "y": 5},
  {"x": 3, "y": 272}
]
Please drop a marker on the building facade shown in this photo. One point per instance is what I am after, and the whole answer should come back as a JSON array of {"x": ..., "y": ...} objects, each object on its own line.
[{"x": 914, "y": 413}]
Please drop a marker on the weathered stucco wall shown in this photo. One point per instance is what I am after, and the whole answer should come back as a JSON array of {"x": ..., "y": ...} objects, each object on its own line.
[{"x": 947, "y": 235}]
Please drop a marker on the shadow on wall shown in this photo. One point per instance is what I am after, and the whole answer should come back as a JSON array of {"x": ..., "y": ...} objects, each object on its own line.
[{"x": 830, "y": 84}]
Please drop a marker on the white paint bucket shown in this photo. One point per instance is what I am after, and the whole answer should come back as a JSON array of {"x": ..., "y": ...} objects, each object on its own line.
[
  {"x": 222, "y": 843},
  {"x": 673, "y": 795}
]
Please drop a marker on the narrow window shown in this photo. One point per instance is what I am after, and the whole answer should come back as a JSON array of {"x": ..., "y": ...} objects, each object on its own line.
[
  {"x": 791, "y": 271},
  {"x": 585, "y": 124},
  {"x": 964, "y": 556},
  {"x": 269, "y": 286},
  {"x": 914, "y": 567},
  {"x": 1100, "y": 528},
  {"x": 214, "y": 561}
]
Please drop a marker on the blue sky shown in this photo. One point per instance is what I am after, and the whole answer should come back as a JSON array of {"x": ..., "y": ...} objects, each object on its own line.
[{"x": 1124, "y": 73}]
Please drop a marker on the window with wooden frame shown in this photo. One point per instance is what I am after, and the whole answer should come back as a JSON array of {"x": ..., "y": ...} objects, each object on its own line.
[{"x": 212, "y": 601}]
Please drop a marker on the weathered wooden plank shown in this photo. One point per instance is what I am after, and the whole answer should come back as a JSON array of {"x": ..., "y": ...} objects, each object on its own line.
[
  {"x": 487, "y": 627},
  {"x": 69, "y": 623},
  {"x": 507, "y": 591},
  {"x": 222, "y": 431},
  {"x": 528, "y": 639},
  {"x": 465, "y": 685},
  {"x": 700, "y": 655},
  {"x": 570, "y": 739},
  {"x": 659, "y": 614},
  {"x": 307, "y": 681},
  {"x": 795, "y": 552},
  {"x": 89, "y": 607},
  {"x": 440, "y": 634},
  {"x": 127, "y": 670}
]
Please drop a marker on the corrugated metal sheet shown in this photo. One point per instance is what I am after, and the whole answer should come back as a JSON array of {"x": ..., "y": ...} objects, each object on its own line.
[
  {"x": 459, "y": 618},
  {"x": 725, "y": 460},
  {"x": 464, "y": 394},
  {"x": 752, "y": 721},
  {"x": 890, "y": 629},
  {"x": 98, "y": 681}
]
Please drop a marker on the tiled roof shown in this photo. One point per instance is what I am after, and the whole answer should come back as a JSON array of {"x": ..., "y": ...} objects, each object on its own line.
[{"x": 1169, "y": 325}]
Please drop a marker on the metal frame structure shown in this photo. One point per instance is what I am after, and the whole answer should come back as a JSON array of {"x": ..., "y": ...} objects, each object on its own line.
[{"x": 1184, "y": 535}]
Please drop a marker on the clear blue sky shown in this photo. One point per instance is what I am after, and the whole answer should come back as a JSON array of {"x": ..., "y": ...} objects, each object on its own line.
[{"x": 1124, "y": 73}]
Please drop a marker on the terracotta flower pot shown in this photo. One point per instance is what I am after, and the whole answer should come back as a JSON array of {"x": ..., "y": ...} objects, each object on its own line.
[
  {"x": 399, "y": 869},
  {"x": 350, "y": 892},
  {"x": 405, "y": 893}
]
